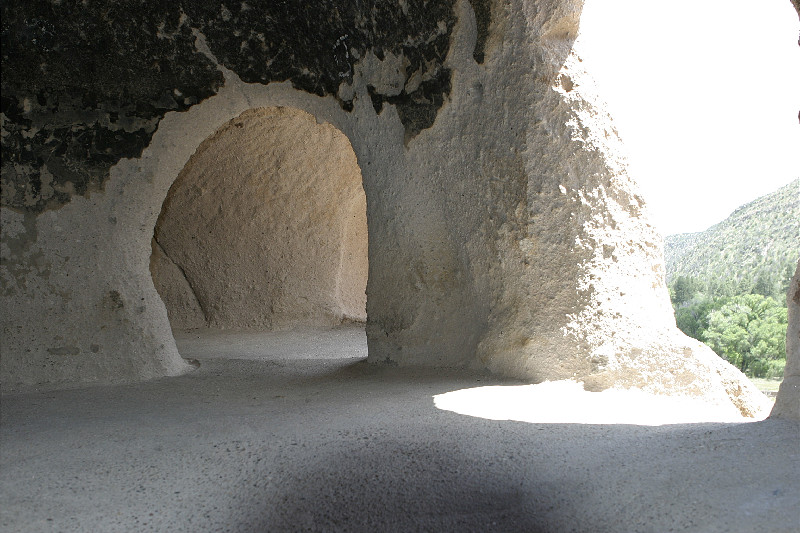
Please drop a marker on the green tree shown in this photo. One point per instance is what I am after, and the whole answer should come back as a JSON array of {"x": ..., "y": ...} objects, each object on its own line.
[
  {"x": 745, "y": 285},
  {"x": 692, "y": 317},
  {"x": 750, "y": 332},
  {"x": 722, "y": 288},
  {"x": 684, "y": 289},
  {"x": 765, "y": 284},
  {"x": 786, "y": 279}
]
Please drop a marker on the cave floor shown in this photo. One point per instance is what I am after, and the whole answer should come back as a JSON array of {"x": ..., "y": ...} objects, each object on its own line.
[{"x": 298, "y": 433}]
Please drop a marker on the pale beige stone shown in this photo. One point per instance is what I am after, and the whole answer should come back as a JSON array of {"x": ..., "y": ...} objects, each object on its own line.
[
  {"x": 787, "y": 405},
  {"x": 183, "y": 309},
  {"x": 267, "y": 221}
]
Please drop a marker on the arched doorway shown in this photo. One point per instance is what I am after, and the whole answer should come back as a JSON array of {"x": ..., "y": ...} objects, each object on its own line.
[{"x": 264, "y": 228}]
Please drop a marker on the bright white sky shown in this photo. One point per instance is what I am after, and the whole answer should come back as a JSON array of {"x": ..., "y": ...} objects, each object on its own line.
[{"x": 705, "y": 94}]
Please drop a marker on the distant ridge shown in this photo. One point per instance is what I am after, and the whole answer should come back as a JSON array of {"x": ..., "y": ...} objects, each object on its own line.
[{"x": 758, "y": 239}]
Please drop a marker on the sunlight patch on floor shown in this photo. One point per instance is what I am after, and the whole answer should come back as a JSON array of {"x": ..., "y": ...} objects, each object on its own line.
[{"x": 567, "y": 402}]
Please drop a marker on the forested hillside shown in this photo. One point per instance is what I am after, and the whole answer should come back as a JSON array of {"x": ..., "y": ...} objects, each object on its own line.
[
  {"x": 755, "y": 249},
  {"x": 728, "y": 284}
]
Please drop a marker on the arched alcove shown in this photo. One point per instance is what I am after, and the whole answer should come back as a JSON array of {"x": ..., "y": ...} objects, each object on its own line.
[{"x": 264, "y": 228}]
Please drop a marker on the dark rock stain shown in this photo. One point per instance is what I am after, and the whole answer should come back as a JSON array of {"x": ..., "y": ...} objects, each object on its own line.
[
  {"x": 316, "y": 45},
  {"x": 483, "y": 17},
  {"x": 115, "y": 299},
  {"x": 85, "y": 84},
  {"x": 64, "y": 350}
]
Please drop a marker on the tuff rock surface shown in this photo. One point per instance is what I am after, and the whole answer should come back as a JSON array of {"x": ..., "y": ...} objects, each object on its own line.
[
  {"x": 266, "y": 225},
  {"x": 504, "y": 230},
  {"x": 787, "y": 405}
]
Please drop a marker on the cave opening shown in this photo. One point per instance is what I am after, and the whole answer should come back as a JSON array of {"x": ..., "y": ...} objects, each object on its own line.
[
  {"x": 264, "y": 231},
  {"x": 726, "y": 204}
]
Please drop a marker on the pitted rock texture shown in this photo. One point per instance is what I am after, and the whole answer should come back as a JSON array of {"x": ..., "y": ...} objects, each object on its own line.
[
  {"x": 265, "y": 228},
  {"x": 84, "y": 85}
]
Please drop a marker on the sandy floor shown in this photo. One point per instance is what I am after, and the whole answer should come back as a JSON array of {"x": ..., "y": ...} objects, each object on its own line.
[{"x": 292, "y": 432}]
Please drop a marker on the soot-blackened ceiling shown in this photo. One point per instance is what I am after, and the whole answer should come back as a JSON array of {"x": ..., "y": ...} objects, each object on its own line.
[{"x": 85, "y": 84}]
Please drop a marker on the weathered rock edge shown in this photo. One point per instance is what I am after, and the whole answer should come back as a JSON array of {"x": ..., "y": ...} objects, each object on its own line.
[{"x": 787, "y": 404}]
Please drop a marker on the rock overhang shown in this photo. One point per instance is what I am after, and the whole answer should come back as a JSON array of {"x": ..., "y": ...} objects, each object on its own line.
[{"x": 507, "y": 231}]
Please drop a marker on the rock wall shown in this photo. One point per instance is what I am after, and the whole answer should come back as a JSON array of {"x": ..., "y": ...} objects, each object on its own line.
[
  {"x": 787, "y": 405},
  {"x": 266, "y": 226},
  {"x": 504, "y": 230}
]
